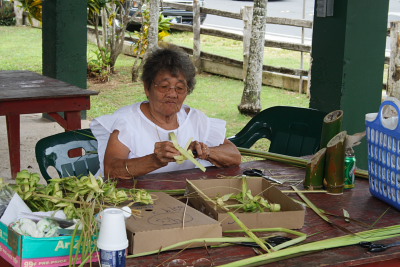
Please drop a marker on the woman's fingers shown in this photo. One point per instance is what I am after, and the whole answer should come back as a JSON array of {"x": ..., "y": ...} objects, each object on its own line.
[
  {"x": 165, "y": 151},
  {"x": 202, "y": 150}
]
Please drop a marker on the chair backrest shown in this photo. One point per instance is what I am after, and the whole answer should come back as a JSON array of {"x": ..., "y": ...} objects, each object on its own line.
[
  {"x": 54, "y": 151},
  {"x": 293, "y": 131}
]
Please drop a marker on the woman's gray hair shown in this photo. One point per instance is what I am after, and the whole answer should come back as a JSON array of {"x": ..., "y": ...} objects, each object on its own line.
[{"x": 170, "y": 59}]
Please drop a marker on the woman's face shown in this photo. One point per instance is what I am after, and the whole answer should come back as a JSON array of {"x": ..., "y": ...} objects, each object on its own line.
[{"x": 167, "y": 93}]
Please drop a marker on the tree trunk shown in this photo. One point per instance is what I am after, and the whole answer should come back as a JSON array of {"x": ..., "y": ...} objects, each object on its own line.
[
  {"x": 118, "y": 34},
  {"x": 196, "y": 36},
  {"x": 247, "y": 17},
  {"x": 153, "y": 29},
  {"x": 19, "y": 13},
  {"x": 251, "y": 103},
  {"x": 393, "y": 82},
  {"x": 138, "y": 62}
]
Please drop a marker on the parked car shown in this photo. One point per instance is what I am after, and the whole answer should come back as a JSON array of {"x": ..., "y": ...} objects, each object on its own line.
[{"x": 177, "y": 15}]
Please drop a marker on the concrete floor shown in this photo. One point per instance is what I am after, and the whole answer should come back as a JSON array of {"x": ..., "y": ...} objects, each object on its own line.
[{"x": 33, "y": 128}]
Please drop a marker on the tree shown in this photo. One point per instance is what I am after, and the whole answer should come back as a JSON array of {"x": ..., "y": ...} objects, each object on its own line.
[
  {"x": 114, "y": 16},
  {"x": 32, "y": 7},
  {"x": 250, "y": 103},
  {"x": 155, "y": 27}
]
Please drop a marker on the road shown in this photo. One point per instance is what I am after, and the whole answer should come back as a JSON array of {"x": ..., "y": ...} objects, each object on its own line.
[{"x": 295, "y": 9}]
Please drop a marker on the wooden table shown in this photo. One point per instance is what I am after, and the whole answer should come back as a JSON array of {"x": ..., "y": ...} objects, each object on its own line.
[
  {"x": 26, "y": 92},
  {"x": 358, "y": 202}
]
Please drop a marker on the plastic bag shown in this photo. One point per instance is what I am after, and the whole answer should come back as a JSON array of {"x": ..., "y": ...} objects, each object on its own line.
[{"x": 6, "y": 194}]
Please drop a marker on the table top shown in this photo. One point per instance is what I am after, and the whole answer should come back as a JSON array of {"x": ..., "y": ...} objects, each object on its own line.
[
  {"x": 17, "y": 85},
  {"x": 358, "y": 202}
]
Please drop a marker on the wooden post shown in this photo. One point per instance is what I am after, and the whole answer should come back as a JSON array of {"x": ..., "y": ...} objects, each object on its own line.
[
  {"x": 64, "y": 42},
  {"x": 349, "y": 76},
  {"x": 251, "y": 103},
  {"x": 196, "y": 36},
  {"x": 247, "y": 17},
  {"x": 64, "y": 35},
  {"x": 309, "y": 79},
  {"x": 301, "y": 89},
  {"x": 393, "y": 82},
  {"x": 153, "y": 29}
]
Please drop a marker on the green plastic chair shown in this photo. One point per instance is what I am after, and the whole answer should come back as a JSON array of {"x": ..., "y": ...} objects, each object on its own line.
[
  {"x": 54, "y": 151},
  {"x": 293, "y": 131}
]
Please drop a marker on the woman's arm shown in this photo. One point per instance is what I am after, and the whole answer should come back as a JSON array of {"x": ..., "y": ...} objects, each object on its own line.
[
  {"x": 117, "y": 164},
  {"x": 224, "y": 155}
]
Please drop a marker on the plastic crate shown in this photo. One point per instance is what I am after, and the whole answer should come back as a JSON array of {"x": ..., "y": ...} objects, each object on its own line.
[{"x": 383, "y": 137}]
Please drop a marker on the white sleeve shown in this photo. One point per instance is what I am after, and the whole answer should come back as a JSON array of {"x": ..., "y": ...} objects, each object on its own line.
[
  {"x": 102, "y": 127},
  {"x": 217, "y": 132}
]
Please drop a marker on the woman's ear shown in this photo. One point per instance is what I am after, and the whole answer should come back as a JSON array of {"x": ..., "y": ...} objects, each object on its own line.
[{"x": 147, "y": 90}]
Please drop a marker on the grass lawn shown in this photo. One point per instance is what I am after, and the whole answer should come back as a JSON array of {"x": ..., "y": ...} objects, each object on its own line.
[{"x": 216, "y": 96}]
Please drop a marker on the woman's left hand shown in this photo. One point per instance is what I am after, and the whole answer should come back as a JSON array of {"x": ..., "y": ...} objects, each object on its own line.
[
  {"x": 201, "y": 149},
  {"x": 224, "y": 155}
]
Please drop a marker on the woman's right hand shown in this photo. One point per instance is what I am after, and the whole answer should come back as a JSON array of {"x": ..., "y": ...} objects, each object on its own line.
[{"x": 165, "y": 152}]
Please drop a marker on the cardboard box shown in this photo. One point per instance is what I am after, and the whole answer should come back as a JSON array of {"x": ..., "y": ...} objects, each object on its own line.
[
  {"x": 291, "y": 215},
  {"x": 161, "y": 225},
  {"x": 25, "y": 251}
]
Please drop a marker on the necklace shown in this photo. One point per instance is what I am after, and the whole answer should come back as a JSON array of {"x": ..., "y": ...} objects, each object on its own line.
[{"x": 155, "y": 124}]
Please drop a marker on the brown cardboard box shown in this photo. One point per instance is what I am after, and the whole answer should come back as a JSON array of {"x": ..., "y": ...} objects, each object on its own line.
[
  {"x": 160, "y": 225},
  {"x": 291, "y": 215}
]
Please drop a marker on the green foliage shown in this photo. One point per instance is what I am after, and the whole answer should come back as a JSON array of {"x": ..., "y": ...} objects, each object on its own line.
[
  {"x": 99, "y": 67},
  {"x": 94, "y": 7},
  {"x": 34, "y": 9},
  {"x": 65, "y": 193},
  {"x": 7, "y": 16},
  {"x": 245, "y": 201},
  {"x": 164, "y": 26}
]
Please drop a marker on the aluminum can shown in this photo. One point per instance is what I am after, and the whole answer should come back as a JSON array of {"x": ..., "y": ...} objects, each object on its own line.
[
  {"x": 109, "y": 258},
  {"x": 349, "y": 171}
]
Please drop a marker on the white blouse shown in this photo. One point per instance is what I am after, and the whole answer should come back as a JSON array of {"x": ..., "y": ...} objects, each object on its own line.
[{"x": 139, "y": 134}]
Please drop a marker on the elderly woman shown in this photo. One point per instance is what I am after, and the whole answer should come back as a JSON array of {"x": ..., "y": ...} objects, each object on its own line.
[{"x": 135, "y": 139}]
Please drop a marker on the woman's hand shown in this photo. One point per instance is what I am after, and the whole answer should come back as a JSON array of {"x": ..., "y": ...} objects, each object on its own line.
[
  {"x": 200, "y": 149},
  {"x": 165, "y": 152},
  {"x": 224, "y": 155}
]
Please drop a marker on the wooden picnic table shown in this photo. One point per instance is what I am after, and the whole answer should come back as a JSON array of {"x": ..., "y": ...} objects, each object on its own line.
[
  {"x": 359, "y": 203},
  {"x": 26, "y": 92}
]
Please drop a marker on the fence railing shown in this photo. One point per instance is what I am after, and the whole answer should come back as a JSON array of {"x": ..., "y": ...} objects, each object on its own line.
[
  {"x": 283, "y": 81},
  {"x": 289, "y": 78}
]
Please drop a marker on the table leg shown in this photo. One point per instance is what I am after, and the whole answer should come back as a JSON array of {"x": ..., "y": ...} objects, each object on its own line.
[
  {"x": 73, "y": 119},
  {"x": 14, "y": 143}
]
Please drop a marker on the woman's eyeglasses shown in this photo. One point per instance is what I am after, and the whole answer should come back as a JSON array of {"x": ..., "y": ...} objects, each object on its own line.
[{"x": 180, "y": 88}]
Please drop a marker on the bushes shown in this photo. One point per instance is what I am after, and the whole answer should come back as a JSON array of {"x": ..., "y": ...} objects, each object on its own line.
[{"x": 7, "y": 16}]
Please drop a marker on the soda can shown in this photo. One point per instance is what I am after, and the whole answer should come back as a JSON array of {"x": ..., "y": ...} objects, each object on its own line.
[
  {"x": 110, "y": 258},
  {"x": 349, "y": 171}
]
